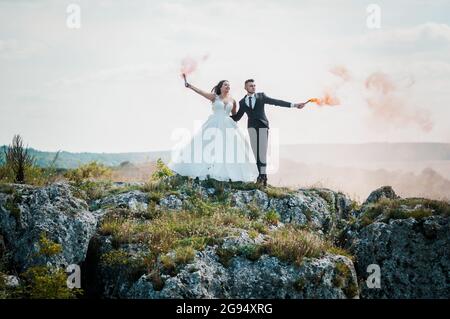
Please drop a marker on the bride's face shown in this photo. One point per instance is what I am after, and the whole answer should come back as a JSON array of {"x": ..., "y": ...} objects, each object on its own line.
[{"x": 225, "y": 87}]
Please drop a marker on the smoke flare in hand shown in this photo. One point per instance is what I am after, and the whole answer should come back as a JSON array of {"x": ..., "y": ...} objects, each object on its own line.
[{"x": 328, "y": 99}]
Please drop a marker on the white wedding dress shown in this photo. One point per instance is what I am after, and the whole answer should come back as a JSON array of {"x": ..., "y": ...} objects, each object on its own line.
[{"x": 220, "y": 150}]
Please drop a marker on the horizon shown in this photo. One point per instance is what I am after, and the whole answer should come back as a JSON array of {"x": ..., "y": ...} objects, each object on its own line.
[{"x": 168, "y": 150}]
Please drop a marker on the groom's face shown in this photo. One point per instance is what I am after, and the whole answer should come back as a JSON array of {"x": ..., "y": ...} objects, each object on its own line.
[{"x": 250, "y": 87}]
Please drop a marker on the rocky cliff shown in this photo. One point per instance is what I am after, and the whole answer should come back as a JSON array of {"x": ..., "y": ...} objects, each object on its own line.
[{"x": 182, "y": 238}]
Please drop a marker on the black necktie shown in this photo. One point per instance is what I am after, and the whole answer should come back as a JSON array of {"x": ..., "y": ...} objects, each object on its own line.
[{"x": 250, "y": 102}]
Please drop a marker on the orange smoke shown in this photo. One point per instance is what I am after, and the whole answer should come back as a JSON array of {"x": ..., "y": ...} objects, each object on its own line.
[
  {"x": 381, "y": 82},
  {"x": 341, "y": 72},
  {"x": 389, "y": 106},
  {"x": 328, "y": 99}
]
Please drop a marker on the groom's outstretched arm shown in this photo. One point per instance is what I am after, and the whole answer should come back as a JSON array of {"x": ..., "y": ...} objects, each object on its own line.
[{"x": 269, "y": 100}]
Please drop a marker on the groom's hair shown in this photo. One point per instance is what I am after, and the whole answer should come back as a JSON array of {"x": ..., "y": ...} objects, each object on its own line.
[{"x": 249, "y": 81}]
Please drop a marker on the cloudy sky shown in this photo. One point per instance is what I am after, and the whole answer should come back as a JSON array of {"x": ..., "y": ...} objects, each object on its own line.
[{"x": 113, "y": 84}]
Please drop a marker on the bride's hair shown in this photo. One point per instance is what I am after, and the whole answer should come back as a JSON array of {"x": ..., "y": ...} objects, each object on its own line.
[{"x": 218, "y": 88}]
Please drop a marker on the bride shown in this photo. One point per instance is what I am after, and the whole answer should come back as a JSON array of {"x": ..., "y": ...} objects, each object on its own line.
[{"x": 219, "y": 150}]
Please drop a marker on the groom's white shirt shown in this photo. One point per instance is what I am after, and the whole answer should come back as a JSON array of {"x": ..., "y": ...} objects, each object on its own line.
[
  {"x": 247, "y": 100},
  {"x": 253, "y": 96}
]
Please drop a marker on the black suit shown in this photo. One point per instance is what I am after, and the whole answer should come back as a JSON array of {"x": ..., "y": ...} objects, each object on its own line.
[{"x": 258, "y": 126}]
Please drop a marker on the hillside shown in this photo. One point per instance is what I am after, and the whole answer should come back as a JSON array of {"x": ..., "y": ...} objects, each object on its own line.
[
  {"x": 73, "y": 160},
  {"x": 182, "y": 238}
]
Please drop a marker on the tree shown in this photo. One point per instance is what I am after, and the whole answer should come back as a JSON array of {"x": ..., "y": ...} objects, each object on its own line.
[{"x": 18, "y": 158}]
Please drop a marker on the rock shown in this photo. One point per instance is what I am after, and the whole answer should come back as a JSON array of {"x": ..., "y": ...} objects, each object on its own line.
[
  {"x": 432, "y": 227},
  {"x": 319, "y": 209},
  {"x": 2, "y": 247},
  {"x": 28, "y": 212},
  {"x": 133, "y": 200},
  {"x": 11, "y": 281},
  {"x": 383, "y": 192},
  {"x": 242, "y": 199},
  {"x": 171, "y": 202},
  {"x": 330, "y": 276},
  {"x": 267, "y": 277},
  {"x": 113, "y": 271},
  {"x": 210, "y": 191},
  {"x": 241, "y": 240},
  {"x": 413, "y": 256}
]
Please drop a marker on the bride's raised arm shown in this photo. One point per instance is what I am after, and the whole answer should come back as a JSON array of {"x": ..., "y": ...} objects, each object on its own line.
[{"x": 209, "y": 96}]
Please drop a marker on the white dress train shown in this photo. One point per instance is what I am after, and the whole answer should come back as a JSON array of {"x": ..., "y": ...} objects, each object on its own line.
[{"x": 219, "y": 150}]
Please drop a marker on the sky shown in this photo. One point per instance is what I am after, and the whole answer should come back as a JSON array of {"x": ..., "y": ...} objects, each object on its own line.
[{"x": 113, "y": 84}]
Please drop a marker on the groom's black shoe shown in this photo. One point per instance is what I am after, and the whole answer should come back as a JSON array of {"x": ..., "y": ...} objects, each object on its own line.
[
  {"x": 259, "y": 180},
  {"x": 264, "y": 180}
]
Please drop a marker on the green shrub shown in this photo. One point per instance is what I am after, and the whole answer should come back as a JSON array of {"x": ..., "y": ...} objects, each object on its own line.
[
  {"x": 225, "y": 255},
  {"x": 292, "y": 244},
  {"x": 260, "y": 227},
  {"x": 94, "y": 189},
  {"x": 343, "y": 279},
  {"x": 162, "y": 171},
  {"x": 6, "y": 188},
  {"x": 339, "y": 251},
  {"x": 12, "y": 205},
  {"x": 254, "y": 212},
  {"x": 6, "y": 174},
  {"x": 253, "y": 233},
  {"x": 219, "y": 188},
  {"x": 277, "y": 192},
  {"x": 36, "y": 176},
  {"x": 200, "y": 206},
  {"x": 184, "y": 255},
  {"x": 33, "y": 175},
  {"x": 197, "y": 242},
  {"x": 115, "y": 258},
  {"x": 272, "y": 217},
  {"x": 48, "y": 283},
  {"x": 168, "y": 264},
  {"x": 251, "y": 252},
  {"x": 245, "y": 186},
  {"x": 17, "y": 159},
  {"x": 155, "y": 197},
  {"x": 420, "y": 213},
  {"x": 404, "y": 208},
  {"x": 436, "y": 206},
  {"x": 91, "y": 171},
  {"x": 351, "y": 290},
  {"x": 47, "y": 247},
  {"x": 326, "y": 196},
  {"x": 341, "y": 274},
  {"x": 200, "y": 224}
]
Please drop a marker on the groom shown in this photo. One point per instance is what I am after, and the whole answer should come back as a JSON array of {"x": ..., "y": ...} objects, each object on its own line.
[{"x": 258, "y": 124}]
